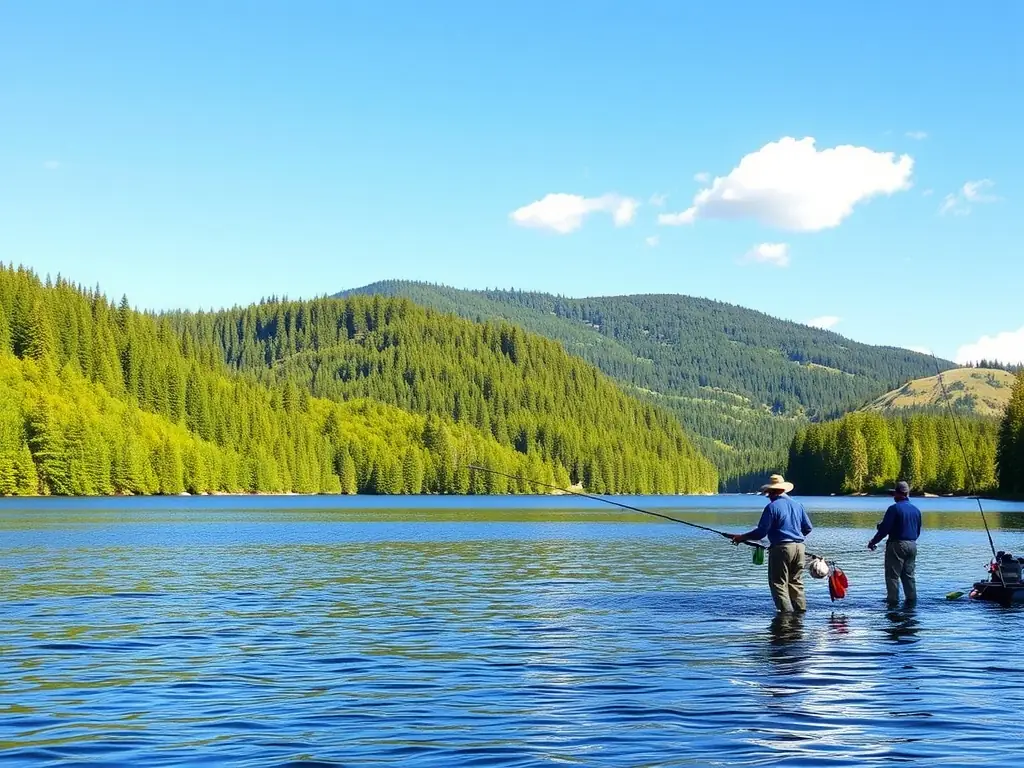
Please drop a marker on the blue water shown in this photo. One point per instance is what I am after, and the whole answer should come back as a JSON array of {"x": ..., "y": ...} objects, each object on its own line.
[{"x": 258, "y": 631}]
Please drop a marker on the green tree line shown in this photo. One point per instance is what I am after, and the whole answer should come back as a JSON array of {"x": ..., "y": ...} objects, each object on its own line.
[
  {"x": 1010, "y": 451},
  {"x": 868, "y": 452},
  {"x": 98, "y": 398}
]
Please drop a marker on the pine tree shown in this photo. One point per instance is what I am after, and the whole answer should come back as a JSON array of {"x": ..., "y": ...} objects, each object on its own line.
[
  {"x": 5, "y": 332},
  {"x": 854, "y": 456},
  {"x": 77, "y": 470},
  {"x": 910, "y": 462},
  {"x": 25, "y": 476},
  {"x": 412, "y": 471},
  {"x": 170, "y": 468},
  {"x": 46, "y": 442},
  {"x": 8, "y": 477},
  {"x": 347, "y": 473},
  {"x": 41, "y": 345}
]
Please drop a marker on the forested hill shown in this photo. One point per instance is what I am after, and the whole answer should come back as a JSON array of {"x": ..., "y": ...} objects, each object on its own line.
[
  {"x": 937, "y": 448},
  {"x": 741, "y": 380},
  {"x": 521, "y": 389},
  {"x": 96, "y": 398}
]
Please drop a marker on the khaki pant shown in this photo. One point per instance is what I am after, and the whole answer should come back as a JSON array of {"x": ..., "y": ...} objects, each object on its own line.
[
  {"x": 786, "y": 576},
  {"x": 900, "y": 562}
]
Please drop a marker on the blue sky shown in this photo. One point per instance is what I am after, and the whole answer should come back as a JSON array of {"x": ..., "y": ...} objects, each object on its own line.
[{"x": 208, "y": 154}]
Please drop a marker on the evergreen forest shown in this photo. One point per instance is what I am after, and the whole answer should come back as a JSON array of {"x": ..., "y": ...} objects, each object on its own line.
[
  {"x": 378, "y": 394},
  {"x": 367, "y": 396},
  {"x": 741, "y": 382},
  {"x": 866, "y": 452},
  {"x": 1010, "y": 446}
]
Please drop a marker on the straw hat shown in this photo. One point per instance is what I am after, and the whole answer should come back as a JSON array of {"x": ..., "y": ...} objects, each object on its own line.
[{"x": 777, "y": 483}]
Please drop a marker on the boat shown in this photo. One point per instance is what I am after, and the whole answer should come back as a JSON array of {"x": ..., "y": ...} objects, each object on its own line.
[{"x": 1005, "y": 584}]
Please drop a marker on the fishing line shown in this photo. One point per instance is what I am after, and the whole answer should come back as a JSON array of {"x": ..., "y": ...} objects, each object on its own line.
[
  {"x": 607, "y": 501},
  {"x": 633, "y": 509},
  {"x": 963, "y": 450}
]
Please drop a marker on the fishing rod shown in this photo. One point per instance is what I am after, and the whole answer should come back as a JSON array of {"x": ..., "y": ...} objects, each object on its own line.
[
  {"x": 635, "y": 509},
  {"x": 963, "y": 450}
]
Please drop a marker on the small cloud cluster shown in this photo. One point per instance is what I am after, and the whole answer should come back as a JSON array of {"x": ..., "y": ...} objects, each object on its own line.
[
  {"x": 825, "y": 322},
  {"x": 959, "y": 203},
  {"x": 1006, "y": 347},
  {"x": 789, "y": 184},
  {"x": 917, "y": 135},
  {"x": 652, "y": 241},
  {"x": 775, "y": 254},
  {"x": 563, "y": 213}
]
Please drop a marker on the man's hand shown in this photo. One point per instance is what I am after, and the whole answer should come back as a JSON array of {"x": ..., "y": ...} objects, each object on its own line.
[
  {"x": 872, "y": 545},
  {"x": 737, "y": 538}
]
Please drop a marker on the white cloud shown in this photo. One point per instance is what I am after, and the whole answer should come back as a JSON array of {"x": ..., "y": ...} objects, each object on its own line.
[
  {"x": 928, "y": 193},
  {"x": 623, "y": 210},
  {"x": 922, "y": 350},
  {"x": 791, "y": 185},
  {"x": 776, "y": 254},
  {"x": 652, "y": 241},
  {"x": 51, "y": 165},
  {"x": 917, "y": 135},
  {"x": 564, "y": 213},
  {"x": 1005, "y": 347},
  {"x": 658, "y": 199},
  {"x": 676, "y": 219},
  {"x": 972, "y": 192},
  {"x": 703, "y": 177},
  {"x": 825, "y": 322}
]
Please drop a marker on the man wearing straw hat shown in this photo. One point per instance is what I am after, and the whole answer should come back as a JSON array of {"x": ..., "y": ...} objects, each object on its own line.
[{"x": 785, "y": 523}]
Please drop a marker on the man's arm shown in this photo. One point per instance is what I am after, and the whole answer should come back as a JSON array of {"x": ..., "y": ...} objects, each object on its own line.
[
  {"x": 758, "y": 533},
  {"x": 884, "y": 527},
  {"x": 805, "y": 522}
]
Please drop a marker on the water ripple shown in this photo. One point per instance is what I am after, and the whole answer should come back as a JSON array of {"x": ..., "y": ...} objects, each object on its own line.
[{"x": 466, "y": 641}]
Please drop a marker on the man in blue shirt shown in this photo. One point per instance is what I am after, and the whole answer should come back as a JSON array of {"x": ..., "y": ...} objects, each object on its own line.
[
  {"x": 902, "y": 524},
  {"x": 785, "y": 523}
]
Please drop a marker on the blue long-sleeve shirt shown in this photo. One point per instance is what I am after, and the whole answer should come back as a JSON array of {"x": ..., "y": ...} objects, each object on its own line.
[
  {"x": 902, "y": 522},
  {"x": 783, "y": 520}
]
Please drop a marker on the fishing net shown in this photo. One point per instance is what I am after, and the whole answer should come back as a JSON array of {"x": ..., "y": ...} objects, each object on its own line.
[{"x": 758, "y": 555}]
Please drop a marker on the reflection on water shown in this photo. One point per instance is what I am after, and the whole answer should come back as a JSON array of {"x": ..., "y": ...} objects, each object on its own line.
[
  {"x": 174, "y": 636},
  {"x": 903, "y": 625}
]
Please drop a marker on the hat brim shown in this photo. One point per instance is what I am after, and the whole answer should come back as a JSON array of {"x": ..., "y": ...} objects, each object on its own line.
[{"x": 784, "y": 487}]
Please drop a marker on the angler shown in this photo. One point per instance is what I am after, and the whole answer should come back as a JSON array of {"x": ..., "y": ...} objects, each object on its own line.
[
  {"x": 784, "y": 521},
  {"x": 902, "y": 526}
]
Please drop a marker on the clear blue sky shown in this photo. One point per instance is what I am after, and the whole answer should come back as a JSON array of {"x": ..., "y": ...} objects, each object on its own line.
[{"x": 206, "y": 154}]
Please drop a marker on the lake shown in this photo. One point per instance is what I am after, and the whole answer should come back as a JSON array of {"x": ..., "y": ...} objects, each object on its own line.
[{"x": 267, "y": 631}]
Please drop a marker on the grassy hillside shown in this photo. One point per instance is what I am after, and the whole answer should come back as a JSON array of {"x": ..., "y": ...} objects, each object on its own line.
[
  {"x": 98, "y": 399},
  {"x": 976, "y": 391},
  {"x": 741, "y": 381},
  {"x": 523, "y": 390}
]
